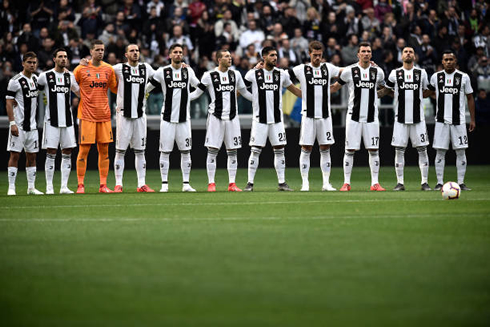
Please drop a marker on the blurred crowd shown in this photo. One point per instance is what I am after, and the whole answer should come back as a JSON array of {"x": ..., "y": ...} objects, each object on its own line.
[{"x": 245, "y": 27}]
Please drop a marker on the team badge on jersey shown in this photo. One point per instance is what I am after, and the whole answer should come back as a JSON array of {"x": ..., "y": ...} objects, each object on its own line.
[{"x": 457, "y": 81}]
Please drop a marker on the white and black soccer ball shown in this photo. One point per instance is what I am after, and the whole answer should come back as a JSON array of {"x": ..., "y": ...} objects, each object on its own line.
[{"x": 451, "y": 191}]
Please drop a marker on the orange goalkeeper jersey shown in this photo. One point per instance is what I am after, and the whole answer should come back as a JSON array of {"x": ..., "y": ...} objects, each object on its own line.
[{"x": 94, "y": 85}]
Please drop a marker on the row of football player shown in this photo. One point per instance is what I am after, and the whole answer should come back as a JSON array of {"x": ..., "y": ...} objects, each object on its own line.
[{"x": 132, "y": 80}]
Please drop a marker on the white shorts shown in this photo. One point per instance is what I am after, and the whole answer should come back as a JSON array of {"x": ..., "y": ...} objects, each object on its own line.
[
  {"x": 130, "y": 132},
  {"x": 275, "y": 132},
  {"x": 314, "y": 128},
  {"x": 63, "y": 137},
  {"x": 354, "y": 131},
  {"x": 175, "y": 132},
  {"x": 445, "y": 132},
  {"x": 28, "y": 141},
  {"x": 218, "y": 130},
  {"x": 416, "y": 132}
]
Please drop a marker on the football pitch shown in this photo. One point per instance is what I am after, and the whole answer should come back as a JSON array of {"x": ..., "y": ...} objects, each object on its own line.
[{"x": 264, "y": 258}]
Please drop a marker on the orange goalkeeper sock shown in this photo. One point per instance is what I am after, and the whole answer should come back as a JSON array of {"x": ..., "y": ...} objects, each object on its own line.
[
  {"x": 83, "y": 151},
  {"x": 103, "y": 162}
]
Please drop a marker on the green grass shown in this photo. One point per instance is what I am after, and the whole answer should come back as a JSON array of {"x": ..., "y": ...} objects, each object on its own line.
[{"x": 247, "y": 259}]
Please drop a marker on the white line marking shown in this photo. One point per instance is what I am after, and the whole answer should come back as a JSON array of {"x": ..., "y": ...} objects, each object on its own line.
[
  {"x": 339, "y": 216},
  {"x": 227, "y": 203}
]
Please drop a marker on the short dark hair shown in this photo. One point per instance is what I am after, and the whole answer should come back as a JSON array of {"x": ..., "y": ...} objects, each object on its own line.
[
  {"x": 408, "y": 46},
  {"x": 127, "y": 47},
  {"x": 175, "y": 45},
  {"x": 363, "y": 44},
  {"x": 219, "y": 53},
  {"x": 55, "y": 52},
  {"x": 266, "y": 50},
  {"x": 315, "y": 45},
  {"x": 94, "y": 43},
  {"x": 449, "y": 51},
  {"x": 28, "y": 55}
]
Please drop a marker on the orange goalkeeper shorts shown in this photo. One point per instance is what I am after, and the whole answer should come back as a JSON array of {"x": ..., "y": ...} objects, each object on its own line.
[{"x": 94, "y": 132}]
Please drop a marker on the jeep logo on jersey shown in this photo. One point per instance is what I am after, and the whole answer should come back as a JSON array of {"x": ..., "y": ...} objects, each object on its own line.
[
  {"x": 60, "y": 89},
  {"x": 409, "y": 86},
  {"x": 224, "y": 88},
  {"x": 134, "y": 79},
  {"x": 98, "y": 84},
  {"x": 177, "y": 85},
  {"x": 362, "y": 84},
  {"x": 272, "y": 87},
  {"x": 449, "y": 90},
  {"x": 32, "y": 94},
  {"x": 318, "y": 81}
]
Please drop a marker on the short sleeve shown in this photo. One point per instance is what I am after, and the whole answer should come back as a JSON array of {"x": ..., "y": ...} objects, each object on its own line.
[
  {"x": 113, "y": 81},
  {"x": 425, "y": 82},
  {"x": 297, "y": 71},
  {"x": 74, "y": 85},
  {"x": 239, "y": 81},
  {"x": 149, "y": 71},
  {"x": 286, "y": 79},
  {"x": 206, "y": 79},
  {"x": 334, "y": 70},
  {"x": 467, "y": 84},
  {"x": 42, "y": 79},
  {"x": 12, "y": 88},
  {"x": 157, "y": 76},
  {"x": 345, "y": 76},
  {"x": 77, "y": 73},
  {"x": 391, "y": 79},
  {"x": 381, "y": 77},
  {"x": 193, "y": 79},
  {"x": 249, "y": 76}
]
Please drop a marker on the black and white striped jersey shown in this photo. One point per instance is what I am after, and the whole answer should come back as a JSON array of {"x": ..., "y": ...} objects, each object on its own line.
[
  {"x": 175, "y": 84},
  {"x": 315, "y": 88},
  {"x": 363, "y": 84},
  {"x": 409, "y": 85},
  {"x": 57, "y": 88},
  {"x": 267, "y": 93},
  {"x": 131, "y": 83},
  {"x": 451, "y": 90},
  {"x": 222, "y": 88},
  {"x": 24, "y": 91}
]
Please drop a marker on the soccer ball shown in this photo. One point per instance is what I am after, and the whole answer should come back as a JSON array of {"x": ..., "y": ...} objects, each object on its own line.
[{"x": 450, "y": 191}]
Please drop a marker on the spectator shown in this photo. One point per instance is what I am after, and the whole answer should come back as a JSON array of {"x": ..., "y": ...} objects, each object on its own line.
[
  {"x": 350, "y": 24},
  {"x": 483, "y": 39},
  {"x": 6, "y": 73},
  {"x": 227, "y": 18},
  {"x": 408, "y": 20},
  {"x": 205, "y": 35},
  {"x": 475, "y": 58},
  {"x": 331, "y": 49},
  {"x": 76, "y": 51},
  {"x": 286, "y": 51},
  {"x": 451, "y": 21},
  {"x": 8, "y": 17},
  {"x": 482, "y": 108},
  {"x": 91, "y": 20},
  {"x": 158, "y": 5},
  {"x": 430, "y": 24},
  {"x": 132, "y": 13},
  {"x": 152, "y": 27},
  {"x": 381, "y": 9},
  {"x": 227, "y": 39},
  {"x": 473, "y": 22},
  {"x": 400, "y": 44},
  {"x": 415, "y": 39},
  {"x": 312, "y": 25},
  {"x": 299, "y": 44},
  {"x": 63, "y": 11},
  {"x": 267, "y": 19},
  {"x": 482, "y": 73},
  {"x": 330, "y": 28},
  {"x": 289, "y": 21},
  {"x": 365, "y": 4},
  {"x": 108, "y": 36},
  {"x": 178, "y": 18},
  {"x": 349, "y": 52},
  {"x": 179, "y": 37},
  {"x": 278, "y": 33},
  {"x": 370, "y": 23},
  {"x": 251, "y": 54},
  {"x": 118, "y": 48},
  {"x": 121, "y": 28},
  {"x": 45, "y": 54},
  {"x": 28, "y": 38},
  {"x": 40, "y": 14},
  {"x": 377, "y": 50},
  {"x": 64, "y": 33},
  {"x": 427, "y": 55},
  {"x": 252, "y": 35},
  {"x": 441, "y": 41}
]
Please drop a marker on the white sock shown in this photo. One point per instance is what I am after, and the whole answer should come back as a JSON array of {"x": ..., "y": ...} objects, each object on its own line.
[
  {"x": 12, "y": 171},
  {"x": 253, "y": 163},
  {"x": 65, "y": 169},
  {"x": 304, "y": 165},
  {"x": 423, "y": 164},
  {"x": 211, "y": 164},
  {"x": 374, "y": 165},
  {"x": 185, "y": 165},
  {"x": 49, "y": 169},
  {"x": 119, "y": 166},
  {"x": 348, "y": 164},
  {"x": 31, "y": 177},
  {"x": 164, "y": 166},
  {"x": 325, "y": 165},
  {"x": 140, "y": 165},
  {"x": 461, "y": 165},
  {"x": 440, "y": 162},
  {"x": 280, "y": 165},
  {"x": 232, "y": 165},
  {"x": 399, "y": 164}
]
